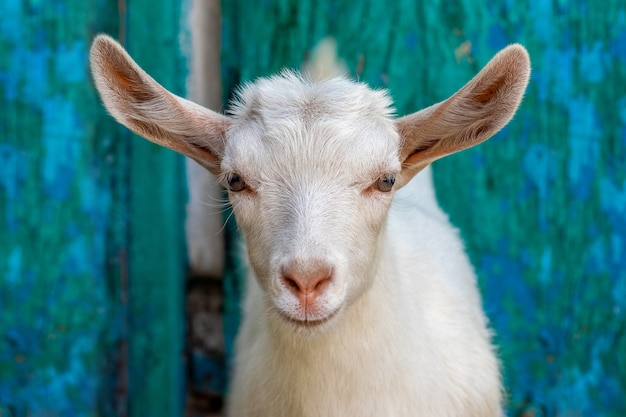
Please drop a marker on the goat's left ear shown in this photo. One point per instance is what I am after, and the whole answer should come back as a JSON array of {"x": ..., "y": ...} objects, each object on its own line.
[{"x": 472, "y": 115}]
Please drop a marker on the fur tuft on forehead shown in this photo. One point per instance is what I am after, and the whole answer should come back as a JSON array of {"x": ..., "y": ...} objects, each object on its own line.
[{"x": 290, "y": 95}]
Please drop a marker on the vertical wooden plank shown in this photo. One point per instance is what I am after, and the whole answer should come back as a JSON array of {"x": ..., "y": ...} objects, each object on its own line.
[
  {"x": 156, "y": 258},
  {"x": 556, "y": 232},
  {"x": 543, "y": 209},
  {"x": 59, "y": 326},
  {"x": 89, "y": 326}
]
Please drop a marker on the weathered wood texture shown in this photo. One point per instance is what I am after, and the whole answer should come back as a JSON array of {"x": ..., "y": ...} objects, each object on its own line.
[
  {"x": 542, "y": 206},
  {"x": 91, "y": 245}
]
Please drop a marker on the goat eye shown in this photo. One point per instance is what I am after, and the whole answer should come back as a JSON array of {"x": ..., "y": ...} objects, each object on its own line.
[
  {"x": 235, "y": 182},
  {"x": 385, "y": 183}
]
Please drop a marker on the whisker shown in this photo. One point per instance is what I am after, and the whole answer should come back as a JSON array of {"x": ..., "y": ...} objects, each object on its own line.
[{"x": 226, "y": 221}]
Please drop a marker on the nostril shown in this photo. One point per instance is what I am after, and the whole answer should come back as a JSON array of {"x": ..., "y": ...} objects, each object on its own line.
[
  {"x": 307, "y": 279},
  {"x": 322, "y": 284},
  {"x": 291, "y": 283}
]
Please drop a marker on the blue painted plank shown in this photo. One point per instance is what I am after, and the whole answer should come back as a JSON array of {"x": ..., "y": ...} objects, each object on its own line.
[
  {"x": 91, "y": 265},
  {"x": 58, "y": 331}
]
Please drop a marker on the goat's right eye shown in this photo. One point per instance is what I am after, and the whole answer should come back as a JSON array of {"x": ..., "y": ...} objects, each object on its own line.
[{"x": 235, "y": 182}]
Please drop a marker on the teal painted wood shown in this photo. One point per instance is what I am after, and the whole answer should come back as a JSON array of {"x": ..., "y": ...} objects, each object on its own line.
[
  {"x": 59, "y": 326},
  {"x": 542, "y": 206},
  {"x": 157, "y": 261},
  {"x": 91, "y": 266}
]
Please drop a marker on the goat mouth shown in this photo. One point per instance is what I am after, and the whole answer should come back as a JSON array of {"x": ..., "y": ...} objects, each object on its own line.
[{"x": 308, "y": 322}]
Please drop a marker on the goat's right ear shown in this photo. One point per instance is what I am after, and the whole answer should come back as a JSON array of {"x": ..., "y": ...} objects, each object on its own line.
[{"x": 138, "y": 102}]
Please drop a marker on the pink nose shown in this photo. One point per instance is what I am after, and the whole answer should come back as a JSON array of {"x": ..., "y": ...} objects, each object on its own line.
[{"x": 307, "y": 279}]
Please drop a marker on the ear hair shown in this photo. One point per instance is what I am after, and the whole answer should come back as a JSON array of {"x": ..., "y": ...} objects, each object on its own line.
[
  {"x": 472, "y": 115},
  {"x": 138, "y": 102}
]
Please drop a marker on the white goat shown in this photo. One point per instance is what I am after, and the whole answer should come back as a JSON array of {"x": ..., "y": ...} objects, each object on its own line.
[{"x": 361, "y": 301}]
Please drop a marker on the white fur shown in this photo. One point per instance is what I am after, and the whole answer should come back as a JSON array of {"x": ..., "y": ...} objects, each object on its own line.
[
  {"x": 412, "y": 339},
  {"x": 397, "y": 327}
]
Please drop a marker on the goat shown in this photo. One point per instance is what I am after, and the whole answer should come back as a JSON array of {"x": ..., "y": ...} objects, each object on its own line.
[{"x": 361, "y": 300}]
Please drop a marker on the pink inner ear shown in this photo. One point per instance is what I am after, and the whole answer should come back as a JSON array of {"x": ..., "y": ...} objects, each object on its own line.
[
  {"x": 120, "y": 74},
  {"x": 422, "y": 152},
  {"x": 486, "y": 94}
]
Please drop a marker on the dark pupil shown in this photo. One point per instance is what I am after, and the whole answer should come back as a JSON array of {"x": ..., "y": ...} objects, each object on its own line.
[
  {"x": 385, "y": 183},
  {"x": 235, "y": 183}
]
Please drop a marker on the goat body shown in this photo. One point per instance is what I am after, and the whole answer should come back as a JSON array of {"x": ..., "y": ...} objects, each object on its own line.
[{"x": 361, "y": 300}]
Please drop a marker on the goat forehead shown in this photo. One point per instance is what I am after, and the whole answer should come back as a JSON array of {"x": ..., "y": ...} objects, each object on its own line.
[
  {"x": 290, "y": 92},
  {"x": 288, "y": 120}
]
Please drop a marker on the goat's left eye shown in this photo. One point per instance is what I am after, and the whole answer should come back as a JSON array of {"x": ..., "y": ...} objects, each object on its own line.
[{"x": 385, "y": 183}]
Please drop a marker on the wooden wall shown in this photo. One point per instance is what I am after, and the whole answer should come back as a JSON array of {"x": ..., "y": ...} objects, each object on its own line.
[
  {"x": 92, "y": 261},
  {"x": 91, "y": 243}
]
